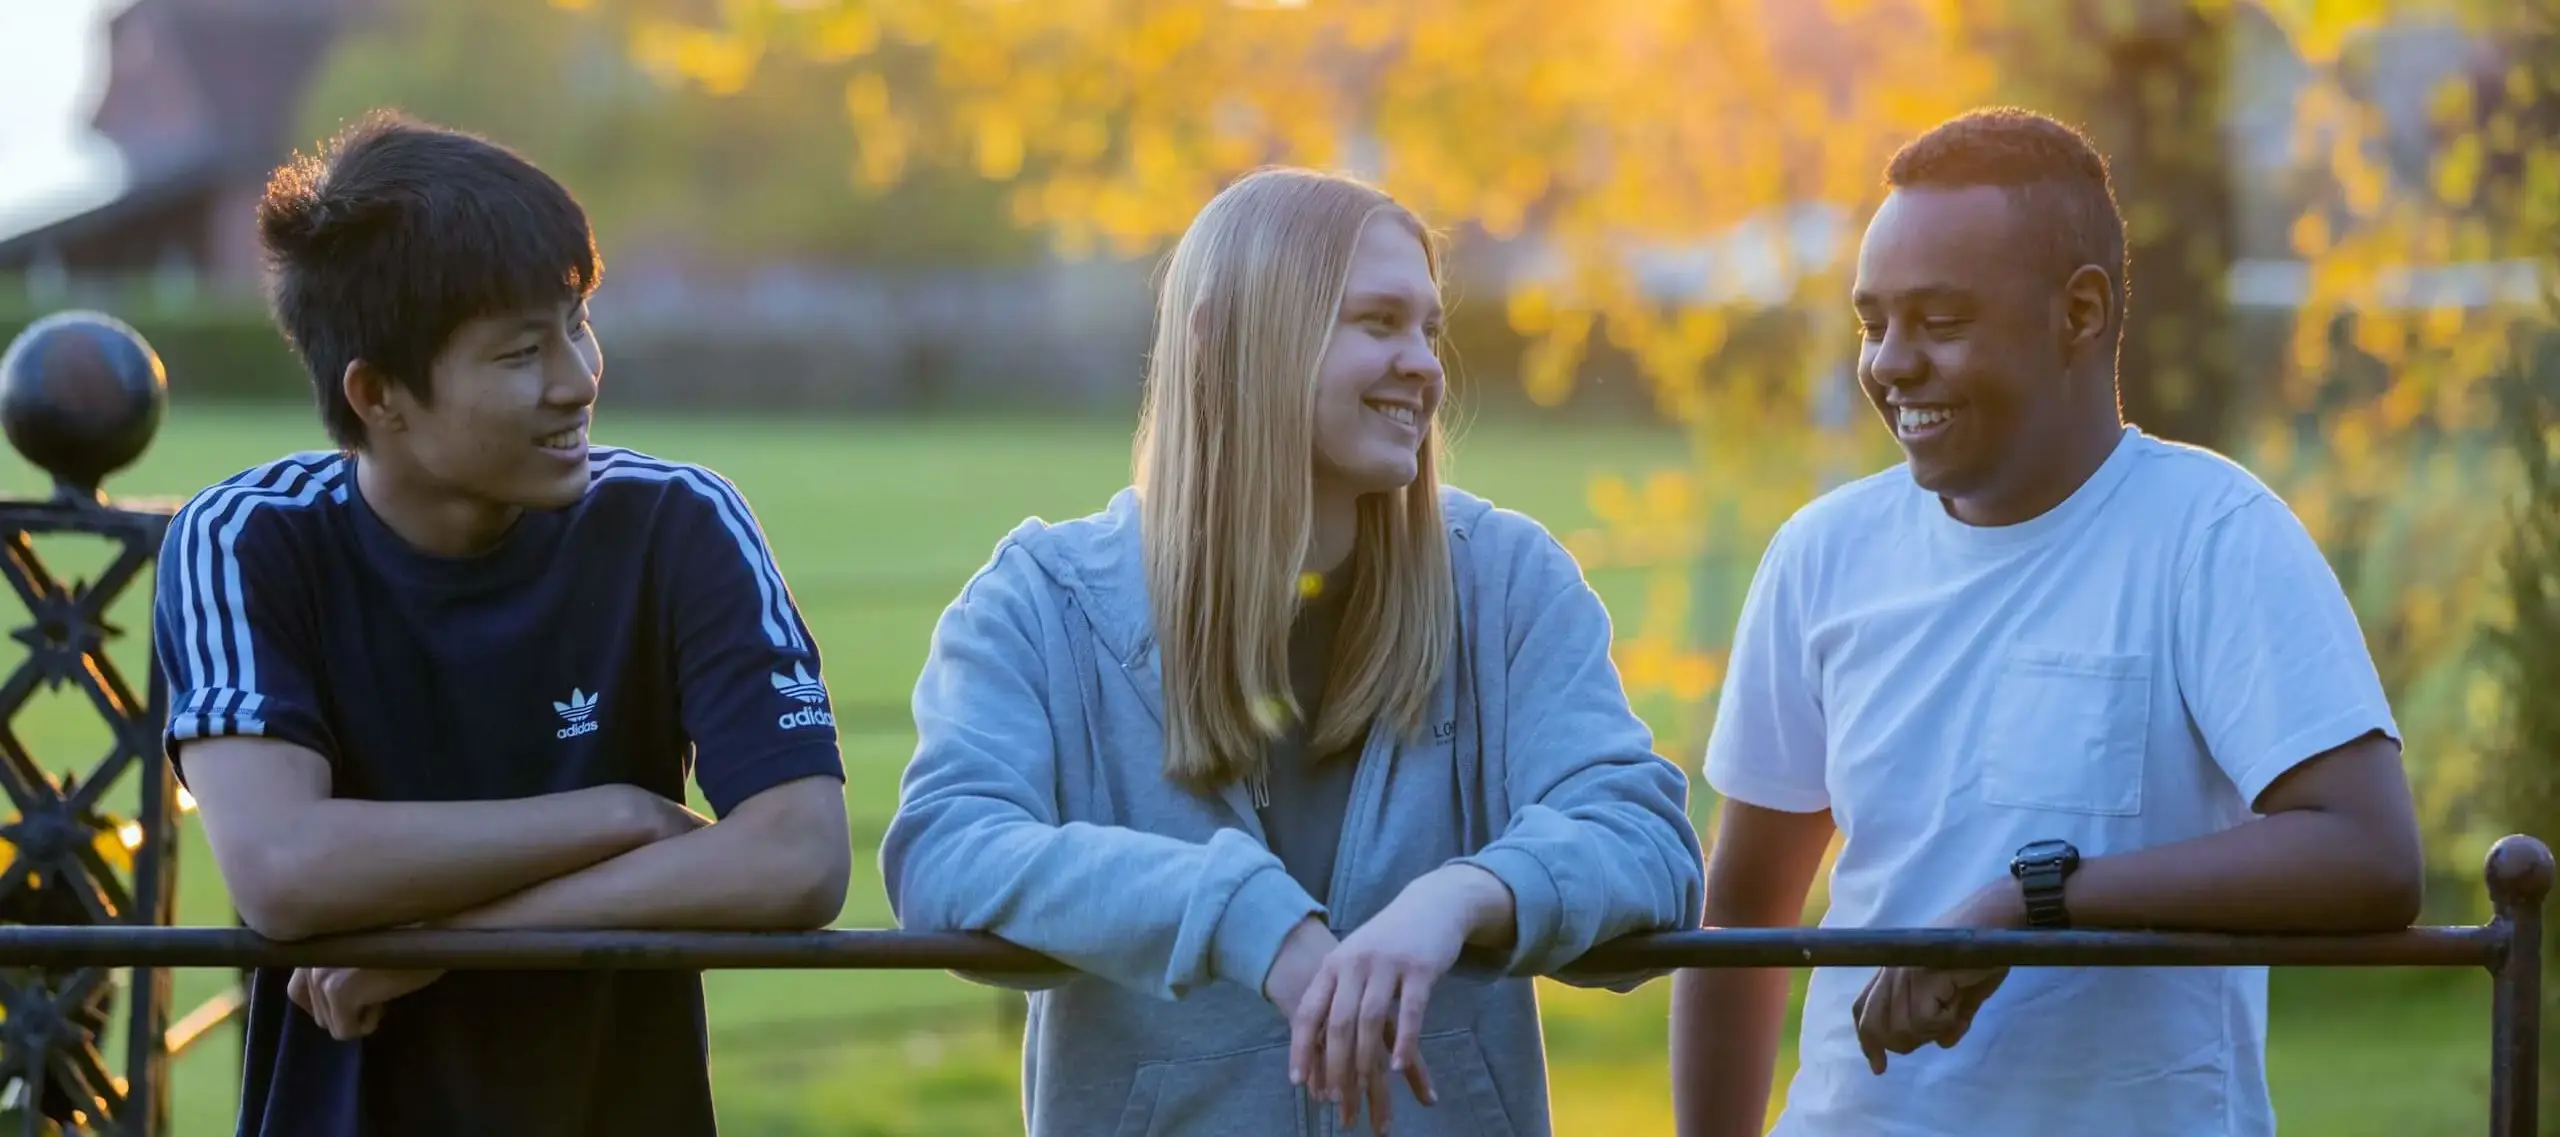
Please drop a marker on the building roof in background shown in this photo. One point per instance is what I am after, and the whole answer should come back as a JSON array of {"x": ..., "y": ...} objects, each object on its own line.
[{"x": 200, "y": 93}]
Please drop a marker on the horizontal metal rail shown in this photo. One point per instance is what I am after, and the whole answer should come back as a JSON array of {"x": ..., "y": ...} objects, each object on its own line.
[
  {"x": 2509, "y": 946},
  {"x": 875, "y": 950}
]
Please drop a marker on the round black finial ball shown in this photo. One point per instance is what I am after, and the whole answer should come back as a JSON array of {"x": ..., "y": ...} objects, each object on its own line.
[
  {"x": 2520, "y": 871},
  {"x": 80, "y": 396}
]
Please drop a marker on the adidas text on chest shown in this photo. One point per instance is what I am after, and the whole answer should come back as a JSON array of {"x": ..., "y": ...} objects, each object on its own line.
[{"x": 579, "y": 713}]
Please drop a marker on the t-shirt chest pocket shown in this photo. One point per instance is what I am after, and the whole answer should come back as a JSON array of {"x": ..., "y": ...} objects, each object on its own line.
[{"x": 2066, "y": 731}]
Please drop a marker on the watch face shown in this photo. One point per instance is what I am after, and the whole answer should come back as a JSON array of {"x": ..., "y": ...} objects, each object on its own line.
[
  {"x": 2043, "y": 855},
  {"x": 2044, "y": 851}
]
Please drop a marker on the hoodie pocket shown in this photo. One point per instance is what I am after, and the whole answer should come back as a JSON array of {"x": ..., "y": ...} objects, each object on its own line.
[
  {"x": 1469, "y": 1104},
  {"x": 1245, "y": 1093}
]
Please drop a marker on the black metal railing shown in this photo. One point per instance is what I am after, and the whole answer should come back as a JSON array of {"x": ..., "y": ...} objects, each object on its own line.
[{"x": 2519, "y": 872}]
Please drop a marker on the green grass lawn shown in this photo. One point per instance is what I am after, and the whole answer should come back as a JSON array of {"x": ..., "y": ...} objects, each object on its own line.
[{"x": 877, "y": 525}]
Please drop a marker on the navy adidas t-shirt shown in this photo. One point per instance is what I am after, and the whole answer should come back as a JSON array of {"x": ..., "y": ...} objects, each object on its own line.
[{"x": 637, "y": 636}]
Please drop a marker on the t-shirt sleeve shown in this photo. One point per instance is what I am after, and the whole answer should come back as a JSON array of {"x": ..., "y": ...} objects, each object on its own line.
[
  {"x": 232, "y": 628},
  {"x": 2270, "y": 658},
  {"x": 753, "y": 698},
  {"x": 1768, "y": 746}
]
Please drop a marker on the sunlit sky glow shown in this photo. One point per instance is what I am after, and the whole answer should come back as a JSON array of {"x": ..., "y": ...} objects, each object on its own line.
[{"x": 53, "y": 64}]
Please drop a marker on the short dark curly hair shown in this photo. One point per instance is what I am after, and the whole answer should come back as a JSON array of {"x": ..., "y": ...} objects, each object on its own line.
[
  {"x": 2054, "y": 175},
  {"x": 396, "y": 234}
]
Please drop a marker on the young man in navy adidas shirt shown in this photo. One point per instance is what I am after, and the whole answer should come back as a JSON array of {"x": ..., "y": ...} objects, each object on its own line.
[{"x": 455, "y": 673}]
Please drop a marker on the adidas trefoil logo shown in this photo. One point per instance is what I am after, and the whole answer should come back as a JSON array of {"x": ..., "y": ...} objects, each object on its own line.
[
  {"x": 797, "y": 684},
  {"x": 579, "y": 712}
]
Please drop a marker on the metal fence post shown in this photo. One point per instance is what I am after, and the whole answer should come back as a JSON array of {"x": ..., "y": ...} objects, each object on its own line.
[
  {"x": 2520, "y": 877},
  {"x": 81, "y": 395},
  {"x": 2519, "y": 871}
]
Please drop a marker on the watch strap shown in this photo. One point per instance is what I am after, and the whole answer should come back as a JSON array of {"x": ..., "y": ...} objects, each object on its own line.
[{"x": 2041, "y": 885}]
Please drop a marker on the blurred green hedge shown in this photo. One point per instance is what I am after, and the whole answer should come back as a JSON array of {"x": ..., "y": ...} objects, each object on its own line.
[
  {"x": 225, "y": 348},
  {"x": 221, "y": 349}
]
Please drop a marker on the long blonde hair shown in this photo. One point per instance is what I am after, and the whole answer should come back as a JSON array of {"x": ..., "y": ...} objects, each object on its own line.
[{"x": 1226, "y": 479}]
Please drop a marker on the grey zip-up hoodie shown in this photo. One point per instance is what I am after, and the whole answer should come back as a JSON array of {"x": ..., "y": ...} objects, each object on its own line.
[{"x": 1036, "y": 809}]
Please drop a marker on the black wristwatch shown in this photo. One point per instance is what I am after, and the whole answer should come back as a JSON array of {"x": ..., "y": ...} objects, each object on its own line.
[{"x": 2041, "y": 867}]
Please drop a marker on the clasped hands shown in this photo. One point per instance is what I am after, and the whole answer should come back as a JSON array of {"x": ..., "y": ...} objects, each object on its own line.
[
  {"x": 1904, "y": 1008},
  {"x": 1356, "y": 1006},
  {"x": 348, "y": 1001}
]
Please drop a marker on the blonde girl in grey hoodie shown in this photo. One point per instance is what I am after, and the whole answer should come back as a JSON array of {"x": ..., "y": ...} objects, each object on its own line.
[{"x": 1263, "y": 745}]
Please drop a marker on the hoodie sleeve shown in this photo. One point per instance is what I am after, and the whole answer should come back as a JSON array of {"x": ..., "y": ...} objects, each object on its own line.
[
  {"x": 977, "y": 844},
  {"x": 1599, "y": 843}
]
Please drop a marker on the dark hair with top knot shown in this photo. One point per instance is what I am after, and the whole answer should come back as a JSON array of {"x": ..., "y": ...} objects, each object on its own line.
[
  {"x": 398, "y": 233},
  {"x": 2055, "y": 178}
]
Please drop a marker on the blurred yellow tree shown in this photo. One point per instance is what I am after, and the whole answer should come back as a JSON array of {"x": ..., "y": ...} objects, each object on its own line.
[
  {"x": 727, "y": 175},
  {"x": 1643, "y": 177},
  {"x": 1679, "y": 183},
  {"x": 2425, "y": 267}
]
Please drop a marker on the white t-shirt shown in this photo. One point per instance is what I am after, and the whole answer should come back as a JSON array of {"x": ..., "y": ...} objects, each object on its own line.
[{"x": 2131, "y": 669}]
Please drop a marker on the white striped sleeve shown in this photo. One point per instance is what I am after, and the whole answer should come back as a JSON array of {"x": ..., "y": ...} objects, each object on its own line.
[
  {"x": 228, "y": 624},
  {"x": 753, "y": 693}
]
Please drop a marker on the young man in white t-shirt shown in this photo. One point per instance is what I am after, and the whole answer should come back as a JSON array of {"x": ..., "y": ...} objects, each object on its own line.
[{"x": 2050, "y": 672}]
